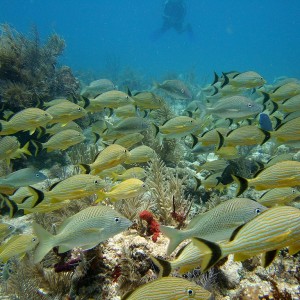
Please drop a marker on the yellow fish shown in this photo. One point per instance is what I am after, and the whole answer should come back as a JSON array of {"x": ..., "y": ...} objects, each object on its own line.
[
  {"x": 281, "y": 174},
  {"x": 285, "y": 91},
  {"x": 111, "y": 156},
  {"x": 249, "y": 79},
  {"x": 279, "y": 196},
  {"x": 129, "y": 140},
  {"x": 168, "y": 288},
  {"x": 17, "y": 246},
  {"x": 10, "y": 148},
  {"x": 147, "y": 100},
  {"x": 60, "y": 141},
  {"x": 55, "y": 128},
  {"x": 128, "y": 188},
  {"x": 135, "y": 172},
  {"x": 5, "y": 229},
  {"x": 140, "y": 154},
  {"x": 287, "y": 132},
  {"x": 274, "y": 229},
  {"x": 74, "y": 187},
  {"x": 86, "y": 229},
  {"x": 110, "y": 99},
  {"x": 28, "y": 119},
  {"x": 65, "y": 112}
]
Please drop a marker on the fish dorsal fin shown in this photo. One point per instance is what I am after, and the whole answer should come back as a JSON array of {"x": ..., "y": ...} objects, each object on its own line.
[
  {"x": 237, "y": 74},
  {"x": 129, "y": 92},
  {"x": 235, "y": 232},
  {"x": 164, "y": 122},
  {"x": 54, "y": 185},
  {"x": 268, "y": 257},
  {"x": 258, "y": 172},
  {"x": 216, "y": 78}
]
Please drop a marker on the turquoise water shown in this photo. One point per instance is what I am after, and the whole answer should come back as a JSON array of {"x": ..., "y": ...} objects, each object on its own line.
[{"x": 240, "y": 35}]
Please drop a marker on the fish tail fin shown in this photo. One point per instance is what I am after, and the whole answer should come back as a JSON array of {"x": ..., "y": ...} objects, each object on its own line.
[
  {"x": 12, "y": 207},
  {"x": 25, "y": 149},
  {"x": 211, "y": 252},
  {"x": 38, "y": 195},
  {"x": 242, "y": 184},
  {"x": 101, "y": 196},
  {"x": 195, "y": 140},
  {"x": 174, "y": 235},
  {"x": 114, "y": 176},
  {"x": 221, "y": 140},
  {"x": 198, "y": 182},
  {"x": 216, "y": 78},
  {"x": 226, "y": 80},
  {"x": 85, "y": 169},
  {"x": 35, "y": 147},
  {"x": 86, "y": 102},
  {"x": 164, "y": 266},
  {"x": 45, "y": 242},
  {"x": 156, "y": 128}
]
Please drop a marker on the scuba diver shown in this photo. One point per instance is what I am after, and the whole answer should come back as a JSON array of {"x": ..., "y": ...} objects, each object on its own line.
[{"x": 173, "y": 17}]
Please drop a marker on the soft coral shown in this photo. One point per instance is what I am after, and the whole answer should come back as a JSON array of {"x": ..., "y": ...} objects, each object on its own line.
[{"x": 152, "y": 224}]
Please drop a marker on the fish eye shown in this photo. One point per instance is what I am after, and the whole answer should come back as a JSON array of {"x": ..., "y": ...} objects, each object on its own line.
[
  {"x": 249, "y": 104},
  {"x": 117, "y": 219},
  {"x": 79, "y": 108},
  {"x": 127, "y": 97},
  {"x": 143, "y": 185},
  {"x": 96, "y": 181},
  {"x": 293, "y": 191},
  {"x": 191, "y": 121},
  {"x": 37, "y": 175},
  {"x": 190, "y": 292},
  {"x": 10, "y": 227},
  {"x": 33, "y": 239},
  {"x": 182, "y": 91},
  {"x": 257, "y": 210}
]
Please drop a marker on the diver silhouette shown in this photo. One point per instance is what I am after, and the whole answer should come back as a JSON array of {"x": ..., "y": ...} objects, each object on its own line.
[{"x": 173, "y": 17}]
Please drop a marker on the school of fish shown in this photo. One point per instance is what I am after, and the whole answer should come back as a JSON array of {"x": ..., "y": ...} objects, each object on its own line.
[{"x": 230, "y": 128}]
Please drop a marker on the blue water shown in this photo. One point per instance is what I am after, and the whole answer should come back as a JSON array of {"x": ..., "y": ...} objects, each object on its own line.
[{"x": 259, "y": 35}]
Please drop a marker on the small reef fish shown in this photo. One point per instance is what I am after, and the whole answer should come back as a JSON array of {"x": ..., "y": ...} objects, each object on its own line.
[
  {"x": 54, "y": 102},
  {"x": 97, "y": 87},
  {"x": 248, "y": 79},
  {"x": 177, "y": 127},
  {"x": 291, "y": 104},
  {"x": 235, "y": 107},
  {"x": 55, "y": 128},
  {"x": 22, "y": 177},
  {"x": 281, "y": 174},
  {"x": 135, "y": 172},
  {"x": 5, "y": 230},
  {"x": 60, "y": 141},
  {"x": 147, "y": 100},
  {"x": 274, "y": 229},
  {"x": 129, "y": 140},
  {"x": 279, "y": 196},
  {"x": 86, "y": 229},
  {"x": 28, "y": 119},
  {"x": 281, "y": 157},
  {"x": 210, "y": 137},
  {"x": 214, "y": 165},
  {"x": 211, "y": 181},
  {"x": 140, "y": 154},
  {"x": 245, "y": 136},
  {"x": 168, "y": 288},
  {"x": 128, "y": 188},
  {"x": 10, "y": 148},
  {"x": 114, "y": 170},
  {"x": 175, "y": 89},
  {"x": 126, "y": 111},
  {"x": 217, "y": 224},
  {"x": 65, "y": 112},
  {"x": 285, "y": 91},
  {"x": 128, "y": 125},
  {"x": 74, "y": 187},
  {"x": 18, "y": 245},
  {"x": 110, "y": 99},
  {"x": 265, "y": 122},
  {"x": 186, "y": 259},
  {"x": 288, "y": 131},
  {"x": 109, "y": 157}
]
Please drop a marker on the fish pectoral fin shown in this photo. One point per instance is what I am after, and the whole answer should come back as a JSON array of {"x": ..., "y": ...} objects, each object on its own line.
[
  {"x": 268, "y": 257},
  {"x": 92, "y": 230},
  {"x": 89, "y": 246},
  {"x": 279, "y": 238},
  {"x": 294, "y": 249},
  {"x": 241, "y": 256}
]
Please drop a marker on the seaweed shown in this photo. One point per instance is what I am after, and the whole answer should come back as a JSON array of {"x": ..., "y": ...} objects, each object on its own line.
[{"x": 29, "y": 72}]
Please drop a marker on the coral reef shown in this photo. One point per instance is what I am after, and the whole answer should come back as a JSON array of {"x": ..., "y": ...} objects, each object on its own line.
[
  {"x": 28, "y": 71},
  {"x": 152, "y": 224}
]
